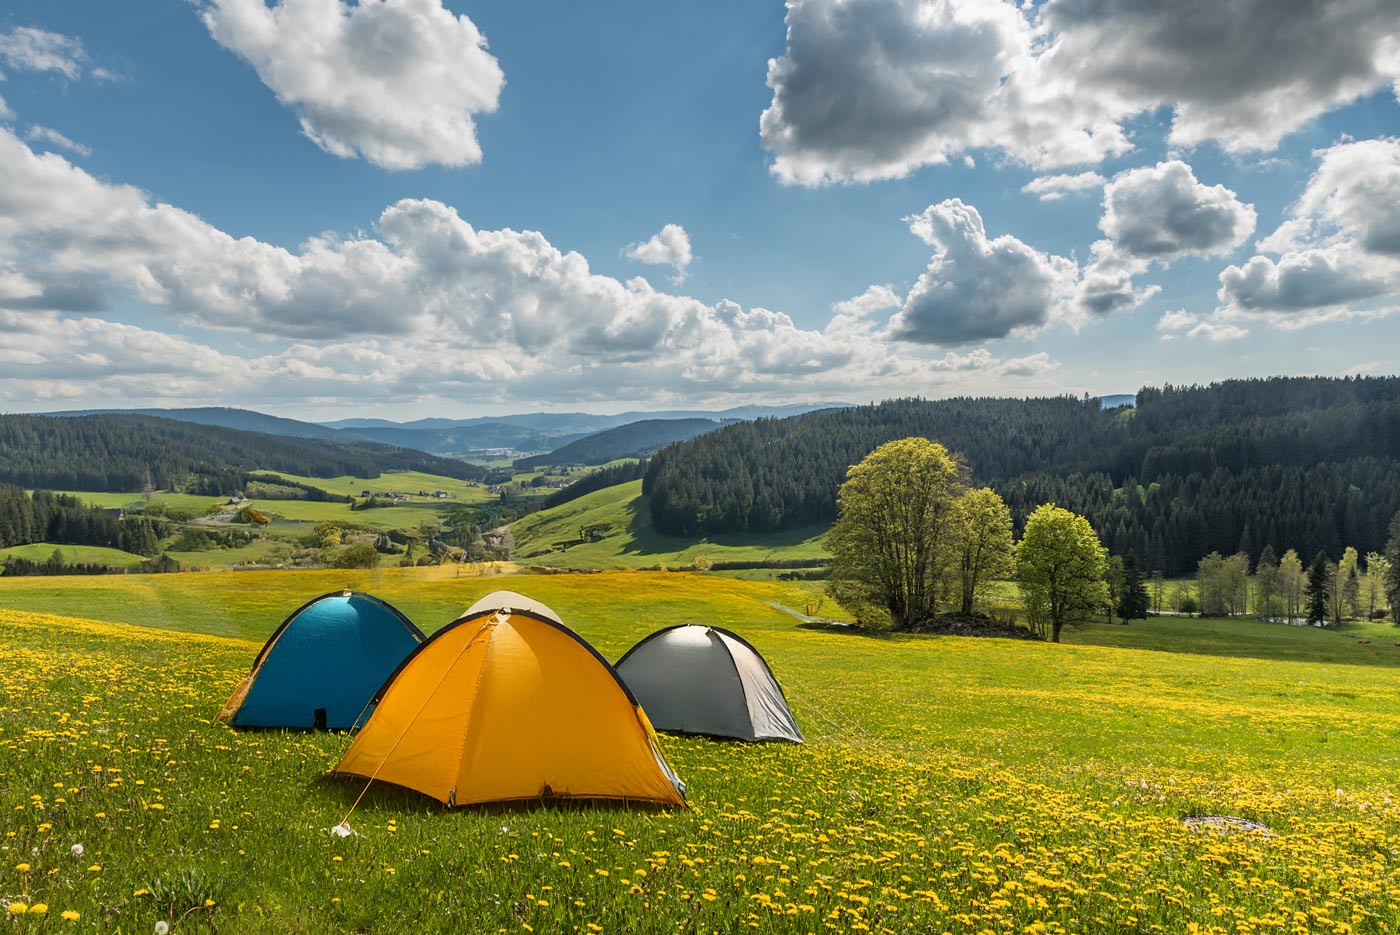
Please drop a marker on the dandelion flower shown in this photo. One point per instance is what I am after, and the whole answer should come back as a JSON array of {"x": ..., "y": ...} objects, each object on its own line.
[
  {"x": 18, "y": 908},
  {"x": 39, "y": 908},
  {"x": 71, "y": 916},
  {"x": 77, "y": 850},
  {"x": 22, "y": 868},
  {"x": 162, "y": 927}
]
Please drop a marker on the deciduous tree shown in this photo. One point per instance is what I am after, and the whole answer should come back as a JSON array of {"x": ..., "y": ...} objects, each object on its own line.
[
  {"x": 1061, "y": 567},
  {"x": 892, "y": 541},
  {"x": 984, "y": 546}
]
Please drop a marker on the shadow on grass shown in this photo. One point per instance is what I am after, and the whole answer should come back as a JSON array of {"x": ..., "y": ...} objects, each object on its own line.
[
  {"x": 1356, "y": 644},
  {"x": 646, "y": 540},
  {"x": 850, "y": 629},
  {"x": 387, "y": 797}
]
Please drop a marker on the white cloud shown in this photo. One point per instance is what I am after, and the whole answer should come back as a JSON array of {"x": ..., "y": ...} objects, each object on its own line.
[
  {"x": 1162, "y": 211},
  {"x": 25, "y": 48},
  {"x": 41, "y": 134},
  {"x": 1339, "y": 249},
  {"x": 1055, "y": 187},
  {"x": 1178, "y": 320},
  {"x": 1217, "y": 331},
  {"x": 668, "y": 247},
  {"x": 975, "y": 288},
  {"x": 1243, "y": 73},
  {"x": 395, "y": 81},
  {"x": 427, "y": 305},
  {"x": 1156, "y": 214},
  {"x": 872, "y": 89}
]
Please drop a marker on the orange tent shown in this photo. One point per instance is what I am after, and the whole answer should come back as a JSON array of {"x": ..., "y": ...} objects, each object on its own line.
[{"x": 508, "y": 704}]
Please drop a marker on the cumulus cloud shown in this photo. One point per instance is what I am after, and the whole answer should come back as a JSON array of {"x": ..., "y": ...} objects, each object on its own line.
[
  {"x": 424, "y": 304},
  {"x": 872, "y": 89},
  {"x": 1243, "y": 73},
  {"x": 1339, "y": 249},
  {"x": 25, "y": 48},
  {"x": 1156, "y": 214},
  {"x": 668, "y": 247},
  {"x": 398, "y": 82},
  {"x": 1175, "y": 324},
  {"x": 1163, "y": 211},
  {"x": 41, "y": 134},
  {"x": 1055, "y": 187},
  {"x": 976, "y": 288}
]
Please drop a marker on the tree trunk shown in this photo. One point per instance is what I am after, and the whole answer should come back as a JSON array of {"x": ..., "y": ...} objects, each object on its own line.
[{"x": 1055, "y": 631}]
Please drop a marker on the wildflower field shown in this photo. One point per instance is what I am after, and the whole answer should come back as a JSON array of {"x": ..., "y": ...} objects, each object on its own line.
[{"x": 949, "y": 785}]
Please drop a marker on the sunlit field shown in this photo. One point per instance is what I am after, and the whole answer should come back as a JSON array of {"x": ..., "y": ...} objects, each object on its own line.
[{"x": 954, "y": 785}]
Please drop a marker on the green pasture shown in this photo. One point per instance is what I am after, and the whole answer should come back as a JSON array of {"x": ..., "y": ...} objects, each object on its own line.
[
  {"x": 191, "y": 503},
  {"x": 551, "y": 537},
  {"x": 408, "y": 482},
  {"x": 948, "y": 785},
  {"x": 73, "y": 554}
]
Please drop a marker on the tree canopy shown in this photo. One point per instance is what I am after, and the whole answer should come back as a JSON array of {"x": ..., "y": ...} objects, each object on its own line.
[
  {"x": 892, "y": 541},
  {"x": 1061, "y": 566}
]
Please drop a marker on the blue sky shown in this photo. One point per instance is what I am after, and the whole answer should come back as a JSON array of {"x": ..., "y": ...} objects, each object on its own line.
[{"x": 164, "y": 166}]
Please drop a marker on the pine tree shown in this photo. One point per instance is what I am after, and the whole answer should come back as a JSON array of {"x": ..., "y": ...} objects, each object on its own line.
[
  {"x": 1319, "y": 590},
  {"x": 1133, "y": 598}
]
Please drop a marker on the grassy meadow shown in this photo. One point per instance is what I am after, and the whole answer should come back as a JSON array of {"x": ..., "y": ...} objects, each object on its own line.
[
  {"x": 74, "y": 554},
  {"x": 949, "y": 784}
]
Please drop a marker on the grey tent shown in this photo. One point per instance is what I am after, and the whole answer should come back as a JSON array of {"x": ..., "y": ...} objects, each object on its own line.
[
  {"x": 497, "y": 600},
  {"x": 707, "y": 680}
]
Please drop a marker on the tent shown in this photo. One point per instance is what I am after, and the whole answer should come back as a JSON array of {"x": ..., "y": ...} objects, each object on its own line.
[
  {"x": 515, "y": 601},
  {"x": 706, "y": 680},
  {"x": 507, "y": 704},
  {"x": 323, "y": 664}
]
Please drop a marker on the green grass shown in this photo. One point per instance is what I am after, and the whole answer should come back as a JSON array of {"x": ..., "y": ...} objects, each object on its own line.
[
  {"x": 74, "y": 554},
  {"x": 409, "y": 482},
  {"x": 550, "y": 537},
  {"x": 190, "y": 503},
  {"x": 949, "y": 785}
]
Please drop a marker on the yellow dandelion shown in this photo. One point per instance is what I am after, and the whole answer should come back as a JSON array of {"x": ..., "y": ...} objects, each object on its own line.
[
  {"x": 39, "y": 908},
  {"x": 71, "y": 916},
  {"x": 18, "y": 908}
]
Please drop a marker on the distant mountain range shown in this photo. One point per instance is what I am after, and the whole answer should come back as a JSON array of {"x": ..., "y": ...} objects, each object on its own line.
[
  {"x": 541, "y": 432},
  {"x": 626, "y": 441}
]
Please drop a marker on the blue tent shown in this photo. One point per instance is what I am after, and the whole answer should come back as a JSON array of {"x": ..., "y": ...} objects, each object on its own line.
[{"x": 324, "y": 664}]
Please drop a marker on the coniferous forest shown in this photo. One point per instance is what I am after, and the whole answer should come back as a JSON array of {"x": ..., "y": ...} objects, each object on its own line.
[
  {"x": 49, "y": 517},
  {"x": 128, "y": 452},
  {"x": 1306, "y": 463}
]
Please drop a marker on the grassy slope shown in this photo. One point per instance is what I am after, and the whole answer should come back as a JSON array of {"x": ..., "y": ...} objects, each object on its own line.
[
  {"x": 949, "y": 785},
  {"x": 74, "y": 554},
  {"x": 409, "y": 482},
  {"x": 542, "y": 538}
]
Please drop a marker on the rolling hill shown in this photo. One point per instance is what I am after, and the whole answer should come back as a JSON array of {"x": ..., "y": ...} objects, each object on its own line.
[
  {"x": 246, "y": 420},
  {"x": 1304, "y": 463},
  {"x": 127, "y": 452}
]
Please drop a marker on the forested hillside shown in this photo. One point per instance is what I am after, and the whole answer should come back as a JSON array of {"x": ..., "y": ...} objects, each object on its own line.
[
  {"x": 1305, "y": 463},
  {"x": 626, "y": 441},
  {"x": 126, "y": 452},
  {"x": 46, "y": 517}
]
